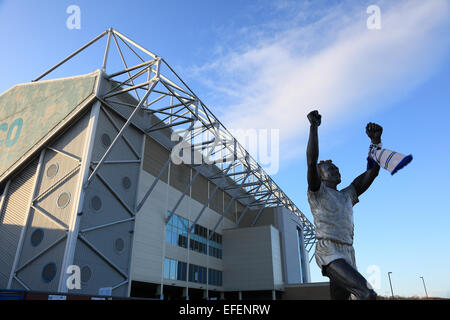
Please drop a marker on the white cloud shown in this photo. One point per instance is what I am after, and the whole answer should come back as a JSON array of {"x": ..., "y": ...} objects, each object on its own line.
[{"x": 334, "y": 64}]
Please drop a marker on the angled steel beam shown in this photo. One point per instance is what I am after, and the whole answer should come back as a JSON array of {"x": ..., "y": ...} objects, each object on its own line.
[
  {"x": 138, "y": 107},
  {"x": 57, "y": 183},
  {"x": 50, "y": 217},
  {"x": 102, "y": 256},
  {"x": 149, "y": 191},
  {"x": 54, "y": 243},
  {"x": 257, "y": 215},
  {"x": 188, "y": 187},
  {"x": 4, "y": 194},
  {"x": 115, "y": 194},
  {"x": 127, "y": 70},
  {"x": 125, "y": 64},
  {"x": 107, "y": 225},
  {"x": 245, "y": 210},
  {"x": 15, "y": 277},
  {"x": 225, "y": 211},
  {"x": 66, "y": 154},
  {"x": 105, "y": 57},
  {"x": 154, "y": 56},
  {"x": 207, "y": 202},
  {"x": 71, "y": 56},
  {"x": 111, "y": 120}
]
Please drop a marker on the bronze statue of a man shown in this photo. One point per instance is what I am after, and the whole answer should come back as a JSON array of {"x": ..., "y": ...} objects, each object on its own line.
[{"x": 333, "y": 216}]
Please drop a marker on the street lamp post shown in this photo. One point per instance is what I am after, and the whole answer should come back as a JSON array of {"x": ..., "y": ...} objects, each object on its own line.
[
  {"x": 423, "y": 280},
  {"x": 390, "y": 282}
]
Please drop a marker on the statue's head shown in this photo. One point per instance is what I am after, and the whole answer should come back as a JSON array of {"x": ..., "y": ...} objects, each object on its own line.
[{"x": 329, "y": 172}]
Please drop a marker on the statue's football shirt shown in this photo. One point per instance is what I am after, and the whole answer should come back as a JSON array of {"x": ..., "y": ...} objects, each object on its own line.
[{"x": 333, "y": 217}]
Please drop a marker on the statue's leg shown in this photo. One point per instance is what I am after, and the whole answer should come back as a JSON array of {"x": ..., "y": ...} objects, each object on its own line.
[
  {"x": 337, "y": 292},
  {"x": 344, "y": 275}
]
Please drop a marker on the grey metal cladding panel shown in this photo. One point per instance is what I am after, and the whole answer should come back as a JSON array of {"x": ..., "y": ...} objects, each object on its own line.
[
  {"x": 248, "y": 218},
  {"x": 231, "y": 214},
  {"x": 267, "y": 217},
  {"x": 72, "y": 140},
  {"x": 155, "y": 156},
  {"x": 101, "y": 274},
  {"x": 32, "y": 274},
  {"x": 105, "y": 134},
  {"x": 49, "y": 230},
  {"x": 239, "y": 209},
  {"x": 12, "y": 218},
  {"x": 133, "y": 135},
  {"x": 200, "y": 189},
  {"x": 123, "y": 179},
  {"x": 101, "y": 207},
  {"x": 143, "y": 119},
  {"x": 114, "y": 242},
  {"x": 16, "y": 285},
  {"x": 54, "y": 168},
  {"x": 53, "y": 204},
  {"x": 216, "y": 203},
  {"x": 180, "y": 175}
]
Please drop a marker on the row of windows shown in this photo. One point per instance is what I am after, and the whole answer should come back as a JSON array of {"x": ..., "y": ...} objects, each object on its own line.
[
  {"x": 174, "y": 270},
  {"x": 177, "y": 270},
  {"x": 176, "y": 234},
  {"x": 180, "y": 224},
  {"x": 215, "y": 277}
]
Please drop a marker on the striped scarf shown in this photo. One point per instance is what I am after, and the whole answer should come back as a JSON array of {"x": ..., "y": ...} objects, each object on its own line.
[{"x": 387, "y": 159}]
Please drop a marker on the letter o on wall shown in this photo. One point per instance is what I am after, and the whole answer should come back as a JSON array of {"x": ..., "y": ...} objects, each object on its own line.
[{"x": 18, "y": 125}]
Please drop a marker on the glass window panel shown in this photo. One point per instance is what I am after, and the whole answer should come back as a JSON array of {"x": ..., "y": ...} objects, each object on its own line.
[
  {"x": 184, "y": 271},
  {"x": 166, "y": 268},
  {"x": 172, "y": 270},
  {"x": 168, "y": 237}
]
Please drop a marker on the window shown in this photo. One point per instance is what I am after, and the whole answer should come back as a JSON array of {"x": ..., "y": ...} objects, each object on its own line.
[
  {"x": 174, "y": 270},
  {"x": 301, "y": 256},
  {"x": 177, "y": 234},
  {"x": 215, "y": 277},
  {"x": 176, "y": 231},
  {"x": 197, "y": 274}
]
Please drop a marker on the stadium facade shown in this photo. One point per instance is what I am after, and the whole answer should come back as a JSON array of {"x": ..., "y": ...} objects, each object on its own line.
[{"x": 90, "y": 187}]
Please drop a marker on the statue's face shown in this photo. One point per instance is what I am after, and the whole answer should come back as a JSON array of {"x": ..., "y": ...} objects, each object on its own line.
[{"x": 329, "y": 172}]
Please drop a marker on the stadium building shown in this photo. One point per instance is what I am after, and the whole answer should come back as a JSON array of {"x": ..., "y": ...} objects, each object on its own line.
[{"x": 95, "y": 200}]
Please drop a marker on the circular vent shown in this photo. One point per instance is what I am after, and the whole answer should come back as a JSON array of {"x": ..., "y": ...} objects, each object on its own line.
[
  {"x": 86, "y": 274},
  {"x": 49, "y": 272},
  {"x": 96, "y": 203},
  {"x": 52, "y": 170},
  {"x": 119, "y": 244},
  {"x": 36, "y": 237},
  {"x": 63, "y": 200},
  {"x": 126, "y": 182},
  {"x": 106, "y": 140}
]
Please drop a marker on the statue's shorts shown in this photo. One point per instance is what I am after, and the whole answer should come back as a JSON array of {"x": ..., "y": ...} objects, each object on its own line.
[{"x": 329, "y": 250}]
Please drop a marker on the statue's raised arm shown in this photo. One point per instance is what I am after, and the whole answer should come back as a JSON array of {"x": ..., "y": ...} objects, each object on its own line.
[
  {"x": 312, "y": 151},
  {"x": 363, "y": 182}
]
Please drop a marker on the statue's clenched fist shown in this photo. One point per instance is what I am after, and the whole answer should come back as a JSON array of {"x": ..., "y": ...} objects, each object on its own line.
[
  {"x": 314, "y": 118},
  {"x": 374, "y": 132}
]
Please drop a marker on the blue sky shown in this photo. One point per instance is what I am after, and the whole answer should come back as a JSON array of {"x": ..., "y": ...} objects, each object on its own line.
[{"x": 266, "y": 64}]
